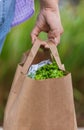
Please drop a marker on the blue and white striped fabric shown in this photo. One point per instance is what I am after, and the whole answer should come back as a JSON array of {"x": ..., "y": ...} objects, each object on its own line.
[
  {"x": 7, "y": 9},
  {"x": 13, "y": 12}
]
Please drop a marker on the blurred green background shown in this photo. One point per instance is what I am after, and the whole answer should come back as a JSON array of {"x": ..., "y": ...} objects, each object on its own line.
[{"x": 71, "y": 50}]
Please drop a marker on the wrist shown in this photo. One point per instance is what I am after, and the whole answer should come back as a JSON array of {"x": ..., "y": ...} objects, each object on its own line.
[{"x": 48, "y": 4}]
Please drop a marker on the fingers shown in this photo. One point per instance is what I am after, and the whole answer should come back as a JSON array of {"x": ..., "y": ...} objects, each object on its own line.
[
  {"x": 54, "y": 36},
  {"x": 35, "y": 33},
  {"x": 40, "y": 23}
]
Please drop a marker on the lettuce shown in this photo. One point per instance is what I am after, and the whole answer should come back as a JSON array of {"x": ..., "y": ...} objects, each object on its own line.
[{"x": 49, "y": 71}]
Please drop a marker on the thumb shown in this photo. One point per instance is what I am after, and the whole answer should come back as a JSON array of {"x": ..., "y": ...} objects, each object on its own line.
[{"x": 35, "y": 32}]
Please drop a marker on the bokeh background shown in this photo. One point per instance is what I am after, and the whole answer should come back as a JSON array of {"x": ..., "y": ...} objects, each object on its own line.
[{"x": 71, "y": 50}]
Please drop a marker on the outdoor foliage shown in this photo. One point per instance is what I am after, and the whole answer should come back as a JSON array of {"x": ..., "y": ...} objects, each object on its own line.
[{"x": 71, "y": 50}]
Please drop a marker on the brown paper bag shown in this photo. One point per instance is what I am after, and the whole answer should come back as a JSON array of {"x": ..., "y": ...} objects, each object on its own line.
[{"x": 40, "y": 104}]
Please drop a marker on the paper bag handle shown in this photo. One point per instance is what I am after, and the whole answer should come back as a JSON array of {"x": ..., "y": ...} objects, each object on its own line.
[
  {"x": 55, "y": 54},
  {"x": 34, "y": 51}
]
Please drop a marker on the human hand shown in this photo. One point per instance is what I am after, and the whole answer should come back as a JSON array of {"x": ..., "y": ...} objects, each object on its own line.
[{"x": 48, "y": 21}]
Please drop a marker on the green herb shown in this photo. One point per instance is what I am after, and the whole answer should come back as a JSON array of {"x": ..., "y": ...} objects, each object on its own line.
[{"x": 49, "y": 71}]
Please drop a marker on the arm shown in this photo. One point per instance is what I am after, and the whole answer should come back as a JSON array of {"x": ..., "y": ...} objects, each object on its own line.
[{"x": 48, "y": 21}]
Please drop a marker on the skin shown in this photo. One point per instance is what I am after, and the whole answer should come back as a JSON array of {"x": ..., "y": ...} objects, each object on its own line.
[{"x": 48, "y": 21}]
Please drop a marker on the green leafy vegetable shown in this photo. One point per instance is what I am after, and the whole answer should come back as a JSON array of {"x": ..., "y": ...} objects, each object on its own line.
[{"x": 49, "y": 71}]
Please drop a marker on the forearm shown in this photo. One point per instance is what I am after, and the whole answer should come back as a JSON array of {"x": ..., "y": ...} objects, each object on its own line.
[{"x": 49, "y": 4}]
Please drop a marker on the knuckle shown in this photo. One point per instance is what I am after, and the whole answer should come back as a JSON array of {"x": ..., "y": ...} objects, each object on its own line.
[
  {"x": 31, "y": 34},
  {"x": 62, "y": 31}
]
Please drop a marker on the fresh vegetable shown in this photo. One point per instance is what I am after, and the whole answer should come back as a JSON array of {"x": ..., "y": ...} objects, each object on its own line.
[{"x": 49, "y": 71}]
